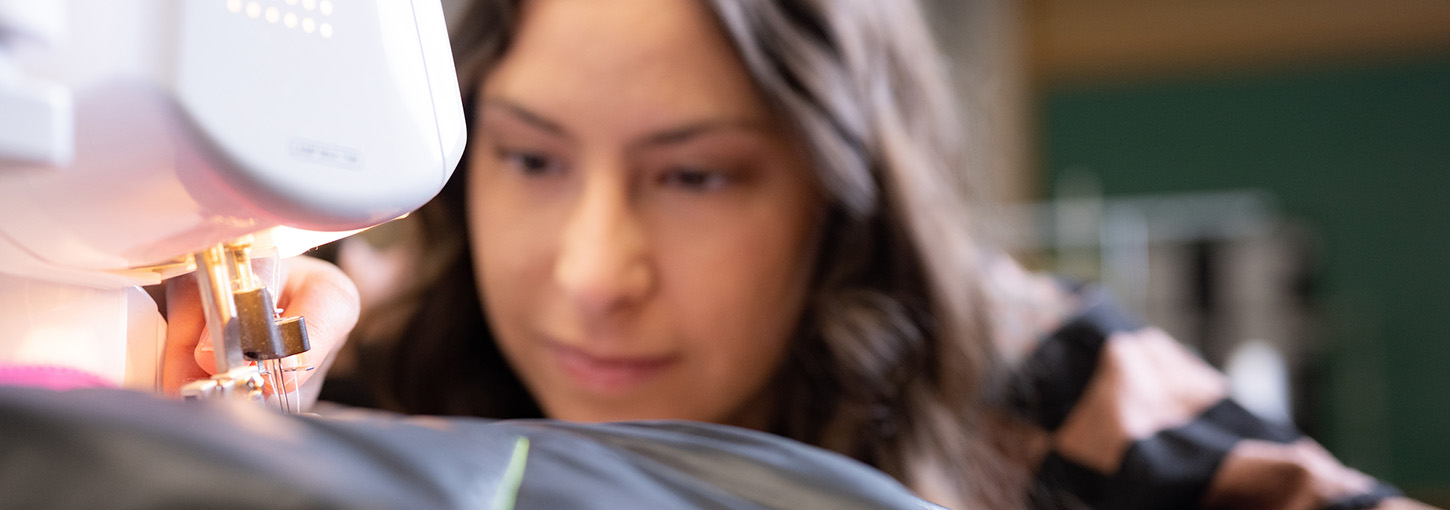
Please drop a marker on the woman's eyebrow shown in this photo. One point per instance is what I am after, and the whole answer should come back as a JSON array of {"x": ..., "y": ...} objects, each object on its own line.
[
  {"x": 527, "y": 116},
  {"x": 686, "y": 132}
]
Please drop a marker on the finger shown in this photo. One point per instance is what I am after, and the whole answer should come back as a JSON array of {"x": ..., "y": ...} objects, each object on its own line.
[
  {"x": 185, "y": 324},
  {"x": 329, "y": 301},
  {"x": 204, "y": 355}
]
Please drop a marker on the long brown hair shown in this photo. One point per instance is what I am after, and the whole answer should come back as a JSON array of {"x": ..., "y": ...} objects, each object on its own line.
[{"x": 893, "y": 363}]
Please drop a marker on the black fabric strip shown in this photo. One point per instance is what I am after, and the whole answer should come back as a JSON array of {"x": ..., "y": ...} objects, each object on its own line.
[
  {"x": 1170, "y": 470},
  {"x": 1380, "y": 493},
  {"x": 1049, "y": 383},
  {"x": 1230, "y": 416}
]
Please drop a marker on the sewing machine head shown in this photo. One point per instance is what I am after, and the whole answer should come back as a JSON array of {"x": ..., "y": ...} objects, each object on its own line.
[{"x": 146, "y": 138}]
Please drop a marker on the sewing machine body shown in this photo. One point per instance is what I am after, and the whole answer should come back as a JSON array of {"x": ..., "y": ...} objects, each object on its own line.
[{"x": 137, "y": 133}]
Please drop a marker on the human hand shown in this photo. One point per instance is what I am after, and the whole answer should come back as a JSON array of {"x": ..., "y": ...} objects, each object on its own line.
[{"x": 310, "y": 288}]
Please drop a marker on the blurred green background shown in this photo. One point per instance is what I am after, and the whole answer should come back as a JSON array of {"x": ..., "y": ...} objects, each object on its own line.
[{"x": 1362, "y": 154}]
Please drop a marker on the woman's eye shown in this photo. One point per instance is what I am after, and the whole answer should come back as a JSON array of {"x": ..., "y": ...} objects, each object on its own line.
[
  {"x": 696, "y": 179},
  {"x": 529, "y": 163}
]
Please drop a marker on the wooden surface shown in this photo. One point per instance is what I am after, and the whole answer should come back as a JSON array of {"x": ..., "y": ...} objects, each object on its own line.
[{"x": 1075, "y": 41}]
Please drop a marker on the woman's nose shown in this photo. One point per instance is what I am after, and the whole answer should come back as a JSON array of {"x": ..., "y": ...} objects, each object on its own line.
[{"x": 602, "y": 265}]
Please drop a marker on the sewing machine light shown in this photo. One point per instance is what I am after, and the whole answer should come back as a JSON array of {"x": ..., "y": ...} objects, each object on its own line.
[{"x": 290, "y": 242}]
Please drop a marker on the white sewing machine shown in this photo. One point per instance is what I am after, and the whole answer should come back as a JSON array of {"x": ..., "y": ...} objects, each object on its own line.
[{"x": 141, "y": 139}]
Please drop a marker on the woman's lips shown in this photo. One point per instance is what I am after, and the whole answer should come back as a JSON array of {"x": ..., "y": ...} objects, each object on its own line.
[{"x": 609, "y": 374}]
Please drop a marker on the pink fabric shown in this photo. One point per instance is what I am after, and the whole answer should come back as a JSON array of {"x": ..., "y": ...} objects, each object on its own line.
[{"x": 50, "y": 377}]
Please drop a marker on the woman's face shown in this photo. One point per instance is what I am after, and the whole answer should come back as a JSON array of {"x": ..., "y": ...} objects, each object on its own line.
[{"x": 643, "y": 224}]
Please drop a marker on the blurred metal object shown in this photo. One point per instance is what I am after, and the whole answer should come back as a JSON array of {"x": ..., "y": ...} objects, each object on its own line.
[{"x": 1220, "y": 271}]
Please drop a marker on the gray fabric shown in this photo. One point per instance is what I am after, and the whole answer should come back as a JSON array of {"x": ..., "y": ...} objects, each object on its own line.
[{"x": 118, "y": 449}]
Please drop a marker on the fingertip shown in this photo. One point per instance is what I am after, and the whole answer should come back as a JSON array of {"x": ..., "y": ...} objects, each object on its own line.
[{"x": 205, "y": 354}]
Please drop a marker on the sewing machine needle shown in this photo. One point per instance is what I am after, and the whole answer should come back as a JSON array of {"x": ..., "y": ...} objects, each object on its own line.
[{"x": 286, "y": 394}]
